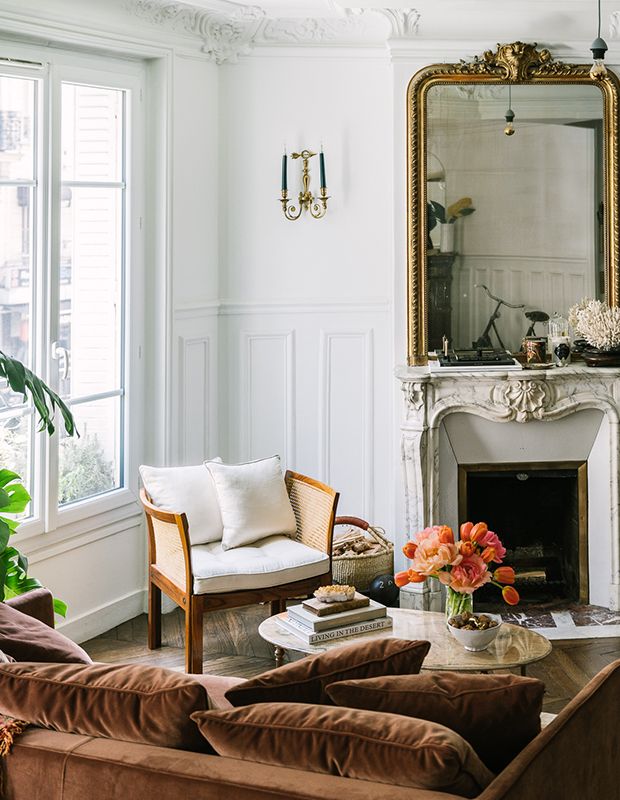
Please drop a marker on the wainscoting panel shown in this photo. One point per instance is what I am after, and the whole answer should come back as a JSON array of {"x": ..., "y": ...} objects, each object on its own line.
[
  {"x": 314, "y": 382},
  {"x": 194, "y": 422},
  {"x": 346, "y": 414},
  {"x": 267, "y": 395}
]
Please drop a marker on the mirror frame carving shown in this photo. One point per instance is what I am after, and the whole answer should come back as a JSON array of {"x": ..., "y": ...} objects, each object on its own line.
[{"x": 516, "y": 63}]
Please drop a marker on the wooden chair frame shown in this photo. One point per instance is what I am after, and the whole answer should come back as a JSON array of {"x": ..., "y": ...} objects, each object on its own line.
[{"x": 170, "y": 565}]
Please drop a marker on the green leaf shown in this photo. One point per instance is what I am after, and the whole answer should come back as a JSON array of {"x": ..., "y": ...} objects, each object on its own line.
[
  {"x": 18, "y": 499},
  {"x": 5, "y": 532},
  {"x": 60, "y": 607},
  {"x": 440, "y": 211},
  {"x": 6, "y": 476}
]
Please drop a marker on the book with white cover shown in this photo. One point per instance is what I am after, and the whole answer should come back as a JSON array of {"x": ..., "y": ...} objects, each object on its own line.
[
  {"x": 335, "y": 633},
  {"x": 316, "y": 624}
]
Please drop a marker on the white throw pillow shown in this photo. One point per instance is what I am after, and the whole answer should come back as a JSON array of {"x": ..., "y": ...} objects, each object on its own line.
[
  {"x": 253, "y": 501},
  {"x": 190, "y": 490}
]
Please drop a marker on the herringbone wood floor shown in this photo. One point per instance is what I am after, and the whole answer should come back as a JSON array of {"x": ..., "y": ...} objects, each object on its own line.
[{"x": 233, "y": 647}]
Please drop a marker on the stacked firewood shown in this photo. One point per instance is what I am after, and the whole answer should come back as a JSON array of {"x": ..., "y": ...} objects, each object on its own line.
[{"x": 355, "y": 543}]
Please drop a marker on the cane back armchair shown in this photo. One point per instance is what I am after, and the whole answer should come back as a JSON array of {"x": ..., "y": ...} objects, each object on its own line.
[{"x": 171, "y": 560}]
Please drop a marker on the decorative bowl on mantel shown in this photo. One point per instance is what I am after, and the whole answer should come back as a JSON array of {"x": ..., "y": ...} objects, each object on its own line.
[{"x": 600, "y": 358}]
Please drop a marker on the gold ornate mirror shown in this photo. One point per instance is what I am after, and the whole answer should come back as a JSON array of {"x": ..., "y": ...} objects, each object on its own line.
[{"x": 530, "y": 218}]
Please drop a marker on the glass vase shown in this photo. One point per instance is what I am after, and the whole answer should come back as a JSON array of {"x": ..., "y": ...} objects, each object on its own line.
[{"x": 457, "y": 602}]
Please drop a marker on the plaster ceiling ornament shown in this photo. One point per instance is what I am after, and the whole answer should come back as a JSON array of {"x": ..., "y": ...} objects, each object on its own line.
[
  {"x": 523, "y": 400},
  {"x": 225, "y": 36},
  {"x": 310, "y": 30},
  {"x": 404, "y": 21}
]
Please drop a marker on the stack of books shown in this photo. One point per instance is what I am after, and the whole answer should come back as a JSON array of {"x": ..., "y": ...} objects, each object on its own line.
[{"x": 315, "y": 621}]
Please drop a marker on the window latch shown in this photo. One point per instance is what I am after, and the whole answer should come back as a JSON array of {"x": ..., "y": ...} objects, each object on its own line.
[{"x": 61, "y": 354}]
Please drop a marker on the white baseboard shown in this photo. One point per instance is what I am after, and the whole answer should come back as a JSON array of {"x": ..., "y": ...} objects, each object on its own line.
[{"x": 103, "y": 618}]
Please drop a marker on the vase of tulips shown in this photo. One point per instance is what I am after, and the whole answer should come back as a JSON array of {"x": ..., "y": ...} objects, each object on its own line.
[{"x": 462, "y": 565}]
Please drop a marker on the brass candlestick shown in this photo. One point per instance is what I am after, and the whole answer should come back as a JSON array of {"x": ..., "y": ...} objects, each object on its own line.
[{"x": 316, "y": 206}]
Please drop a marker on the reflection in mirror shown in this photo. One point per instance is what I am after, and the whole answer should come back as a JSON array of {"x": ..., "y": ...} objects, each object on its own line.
[{"x": 535, "y": 240}]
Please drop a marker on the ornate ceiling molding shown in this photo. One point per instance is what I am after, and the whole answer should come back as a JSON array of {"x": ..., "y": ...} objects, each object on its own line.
[
  {"x": 404, "y": 22},
  {"x": 225, "y": 36},
  {"x": 231, "y": 29}
]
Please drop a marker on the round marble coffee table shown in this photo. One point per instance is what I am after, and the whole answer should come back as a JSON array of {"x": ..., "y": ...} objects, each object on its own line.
[{"x": 514, "y": 646}]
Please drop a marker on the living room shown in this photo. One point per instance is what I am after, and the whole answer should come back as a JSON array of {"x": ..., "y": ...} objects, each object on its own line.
[{"x": 404, "y": 327}]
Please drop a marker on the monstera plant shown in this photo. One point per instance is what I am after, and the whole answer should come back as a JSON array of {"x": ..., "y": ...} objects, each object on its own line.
[{"x": 14, "y": 497}]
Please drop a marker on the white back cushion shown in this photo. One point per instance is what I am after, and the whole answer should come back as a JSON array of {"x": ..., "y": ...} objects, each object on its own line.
[
  {"x": 190, "y": 490},
  {"x": 253, "y": 501}
]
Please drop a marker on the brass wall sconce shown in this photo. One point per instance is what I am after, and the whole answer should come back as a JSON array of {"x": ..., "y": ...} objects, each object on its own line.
[{"x": 317, "y": 206}]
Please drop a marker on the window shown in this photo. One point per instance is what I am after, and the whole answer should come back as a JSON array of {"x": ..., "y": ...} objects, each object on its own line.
[{"x": 65, "y": 253}]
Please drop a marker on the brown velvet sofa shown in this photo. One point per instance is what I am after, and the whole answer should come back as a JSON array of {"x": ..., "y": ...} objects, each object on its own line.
[{"x": 576, "y": 757}]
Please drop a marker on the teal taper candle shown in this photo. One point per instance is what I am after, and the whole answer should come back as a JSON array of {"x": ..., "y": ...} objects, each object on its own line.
[
  {"x": 284, "y": 177},
  {"x": 322, "y": 167}
]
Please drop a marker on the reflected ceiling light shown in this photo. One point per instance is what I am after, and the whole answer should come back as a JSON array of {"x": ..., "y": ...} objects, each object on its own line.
[
  {"x": 598, "y": 48},
  {"x": 509, "y": 115}
]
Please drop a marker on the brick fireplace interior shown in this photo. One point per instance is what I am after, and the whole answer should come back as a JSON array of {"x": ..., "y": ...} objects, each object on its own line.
[{"x": 540, "y": 512}]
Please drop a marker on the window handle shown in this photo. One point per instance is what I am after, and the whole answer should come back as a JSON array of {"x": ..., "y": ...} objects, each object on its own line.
[{"x": 61, "y": 354}]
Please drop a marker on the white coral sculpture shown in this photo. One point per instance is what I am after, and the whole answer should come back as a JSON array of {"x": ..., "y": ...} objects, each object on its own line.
[{"x": 597, "y": 323}]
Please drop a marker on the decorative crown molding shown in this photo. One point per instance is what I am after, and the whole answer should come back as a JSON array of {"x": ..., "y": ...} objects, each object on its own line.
[
  {"x": 231, "y": 29},
  {"x": 404, "y": 22},
  {"x": 224, "y": 35}
]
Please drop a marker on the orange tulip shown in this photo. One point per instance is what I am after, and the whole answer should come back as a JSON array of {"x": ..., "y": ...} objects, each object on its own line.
[
  {"x": 415, "y": 577},
  {"x": 465, "y": 531},
  {"x": 446, "y": 536},
  {"x": 401, "y": 578},
  {"x": 409, "y": 549},
  {"x": 467, "y": 548},
  {"x": 510, "y": 595},
  {"x": 478, "y": 531},
  {"x": 504, "y": 574},
  {"x": 488, "y": 554}
]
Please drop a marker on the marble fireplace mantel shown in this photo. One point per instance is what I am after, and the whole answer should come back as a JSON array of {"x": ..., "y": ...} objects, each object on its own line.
[{"x": 504, "y": 397}]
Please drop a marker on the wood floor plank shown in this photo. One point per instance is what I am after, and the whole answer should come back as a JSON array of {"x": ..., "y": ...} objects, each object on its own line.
[{"x": 232, "y": 646}]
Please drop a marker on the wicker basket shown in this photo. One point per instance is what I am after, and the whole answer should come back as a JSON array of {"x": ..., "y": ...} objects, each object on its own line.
[{"x": 361, "y": 569}]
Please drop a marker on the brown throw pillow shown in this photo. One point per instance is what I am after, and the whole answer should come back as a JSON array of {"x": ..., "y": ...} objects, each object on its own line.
[
  {"x": 365, "y": 745},
  {"x": 305, "y": 681},
  {"x": 26, "y": 639},
  {"x": 497, "y": 714},
  {"x": 132, "y": 702}
]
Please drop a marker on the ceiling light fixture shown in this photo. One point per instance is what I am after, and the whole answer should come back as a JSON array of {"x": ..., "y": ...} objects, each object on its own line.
[
  {"x": 598, "y": 48},
  {"x": 509, "y": 115}
]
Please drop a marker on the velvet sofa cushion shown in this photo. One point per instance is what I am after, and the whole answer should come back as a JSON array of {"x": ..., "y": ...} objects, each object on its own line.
[
  {"x": 130, "y": 702},
  {"x": 216, "y": 687},
  {"x": 497, "y": 714},
  {"x": 305, "y": 681},
  {"x": 27, "y": 639},
  {"x": 366, "y": 745}
]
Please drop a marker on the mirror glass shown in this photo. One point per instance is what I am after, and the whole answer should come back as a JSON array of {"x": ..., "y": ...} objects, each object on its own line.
[{"x": 516, "y": 217}]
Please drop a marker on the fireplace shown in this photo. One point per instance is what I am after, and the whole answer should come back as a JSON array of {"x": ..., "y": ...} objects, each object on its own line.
[
  {"x": 540, "y": 512},
  {"x": 549, "y": 438}
]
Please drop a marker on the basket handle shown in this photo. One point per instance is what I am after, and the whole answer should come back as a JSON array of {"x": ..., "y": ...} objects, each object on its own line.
[
  {"x": 356, "y": 521},
  {"x": 378, "y": 535}
]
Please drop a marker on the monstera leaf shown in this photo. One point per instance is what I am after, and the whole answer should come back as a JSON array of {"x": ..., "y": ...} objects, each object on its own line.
[{"x": 14, "y": 497}]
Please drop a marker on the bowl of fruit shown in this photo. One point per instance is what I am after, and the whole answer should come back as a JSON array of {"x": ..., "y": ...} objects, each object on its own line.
[{"x": 474, "y": 631}]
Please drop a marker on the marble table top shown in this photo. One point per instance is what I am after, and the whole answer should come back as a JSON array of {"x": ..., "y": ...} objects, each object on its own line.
[{"x": 513, "y": 647}]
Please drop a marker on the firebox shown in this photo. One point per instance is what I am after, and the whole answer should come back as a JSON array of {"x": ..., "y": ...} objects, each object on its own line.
[{"x": 540, "y": 512}]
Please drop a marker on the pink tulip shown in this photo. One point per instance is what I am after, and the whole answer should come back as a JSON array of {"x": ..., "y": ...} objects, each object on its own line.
[
  {"x": 510, "y": 595},
  {"x": 465, "y": 531},
  {"x": 467, "y": 548},
  {"x": 478, "y": 532},
  {"x": 504, "y": 575},
  {"x": 409, "y": 549}
]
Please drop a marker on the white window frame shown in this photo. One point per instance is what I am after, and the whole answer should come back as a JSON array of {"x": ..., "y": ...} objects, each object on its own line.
[{"x": 117, "y": 73}]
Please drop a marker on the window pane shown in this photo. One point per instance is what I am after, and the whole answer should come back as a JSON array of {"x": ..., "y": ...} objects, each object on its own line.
[
  {"x": 16, "y": 263},
  {"x": 90, "y": 290},
  {"x": 91, "y": 464},
  {"x": 16, "y": 449},
  {"x": 17, "y": 106},
  {"x": 92, "y": 126}
]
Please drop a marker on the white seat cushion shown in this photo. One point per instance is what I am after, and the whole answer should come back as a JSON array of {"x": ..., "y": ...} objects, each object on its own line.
[
  {"x": 188, "y": 490},
  {"x": 270, "y": 562}
]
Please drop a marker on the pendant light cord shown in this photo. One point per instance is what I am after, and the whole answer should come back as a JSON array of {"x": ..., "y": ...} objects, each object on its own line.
[{"x": 599, "y": 19}]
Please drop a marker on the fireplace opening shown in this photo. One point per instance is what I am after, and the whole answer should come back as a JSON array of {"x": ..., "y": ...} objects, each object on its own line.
[{"x": 540, "y": 513}]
